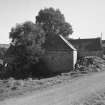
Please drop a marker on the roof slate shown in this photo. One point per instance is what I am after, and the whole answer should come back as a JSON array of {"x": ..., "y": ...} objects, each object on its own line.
[
  {"x": 93, "y": 44},
  {"x": 57, "y": 43}
]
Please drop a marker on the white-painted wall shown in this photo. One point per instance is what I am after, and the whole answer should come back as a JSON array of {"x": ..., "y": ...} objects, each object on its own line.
[{"x": 74, "y": 57}]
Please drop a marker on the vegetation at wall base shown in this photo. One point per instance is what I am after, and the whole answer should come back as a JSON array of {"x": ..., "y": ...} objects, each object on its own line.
[{"x": 90, "y": 64}]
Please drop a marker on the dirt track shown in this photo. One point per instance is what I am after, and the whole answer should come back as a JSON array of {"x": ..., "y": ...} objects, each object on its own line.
[{"x": 62, "y": 94}]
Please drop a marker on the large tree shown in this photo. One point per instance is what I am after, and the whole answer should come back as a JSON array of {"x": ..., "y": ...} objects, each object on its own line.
[
  {"x": 53, "y": 21},
  {"x": 26, "y": 44}
]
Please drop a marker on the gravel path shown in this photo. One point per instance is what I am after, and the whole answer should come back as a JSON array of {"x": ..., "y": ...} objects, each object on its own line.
[{"x": 63, "y": 94}]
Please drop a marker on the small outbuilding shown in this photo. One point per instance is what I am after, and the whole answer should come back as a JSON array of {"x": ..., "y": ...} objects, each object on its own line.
[{"x": 60, "y": 55}]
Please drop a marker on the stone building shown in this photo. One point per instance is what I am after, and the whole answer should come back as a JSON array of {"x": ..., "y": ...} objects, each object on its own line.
[{"x": 60, "y": 55}]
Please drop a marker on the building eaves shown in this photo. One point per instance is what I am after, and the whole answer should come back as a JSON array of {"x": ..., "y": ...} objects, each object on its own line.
[{"x": 68, "y": 43}]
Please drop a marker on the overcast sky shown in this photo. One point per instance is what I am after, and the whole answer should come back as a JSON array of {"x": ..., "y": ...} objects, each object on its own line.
[{"x": 87, "y": 17}]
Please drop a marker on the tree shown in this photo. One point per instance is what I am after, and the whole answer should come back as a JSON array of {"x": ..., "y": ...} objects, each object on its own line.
[
  {"x": 26, "y": 45},
  {"x": 2, "y": 52},
  {"x": 53, "y": 21}
]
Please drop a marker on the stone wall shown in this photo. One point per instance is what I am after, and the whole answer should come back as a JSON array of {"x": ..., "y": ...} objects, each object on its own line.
[{"x": 59, "y": 61}]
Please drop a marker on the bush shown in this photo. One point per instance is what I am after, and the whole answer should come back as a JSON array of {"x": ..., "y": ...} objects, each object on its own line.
[{"x": 90, "y": 63}]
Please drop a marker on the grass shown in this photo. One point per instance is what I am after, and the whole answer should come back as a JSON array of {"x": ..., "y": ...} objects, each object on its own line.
[{"x": 11, "y": 87}]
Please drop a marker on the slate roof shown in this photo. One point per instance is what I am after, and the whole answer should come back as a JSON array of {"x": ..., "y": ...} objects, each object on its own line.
[
  {"x": 57, "y": 43},
  {"x": 92, "y": 44},
  {"x": 68, "y": 43}
]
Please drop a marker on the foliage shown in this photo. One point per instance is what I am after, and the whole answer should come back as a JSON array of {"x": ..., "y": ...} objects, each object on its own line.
[
  {"x": 53, "y": 21},
  {"x": 2, "y": 52},
  {"x": 26, "y": 46},
  {"x": 28, "y": 38}
]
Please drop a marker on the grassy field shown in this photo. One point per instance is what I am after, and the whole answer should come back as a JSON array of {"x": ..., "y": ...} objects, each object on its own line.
[{"x": 12, "y": 87}]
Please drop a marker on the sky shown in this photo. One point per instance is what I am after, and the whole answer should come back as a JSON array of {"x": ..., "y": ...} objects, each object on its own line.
[{"x": 87, "y": 17}]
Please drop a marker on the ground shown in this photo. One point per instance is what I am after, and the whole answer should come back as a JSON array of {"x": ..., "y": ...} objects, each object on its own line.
[
  {"x": 75, "y": 92},
  {"x": 11, "y": 87},
  {"x": 76, "y": 88}
]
